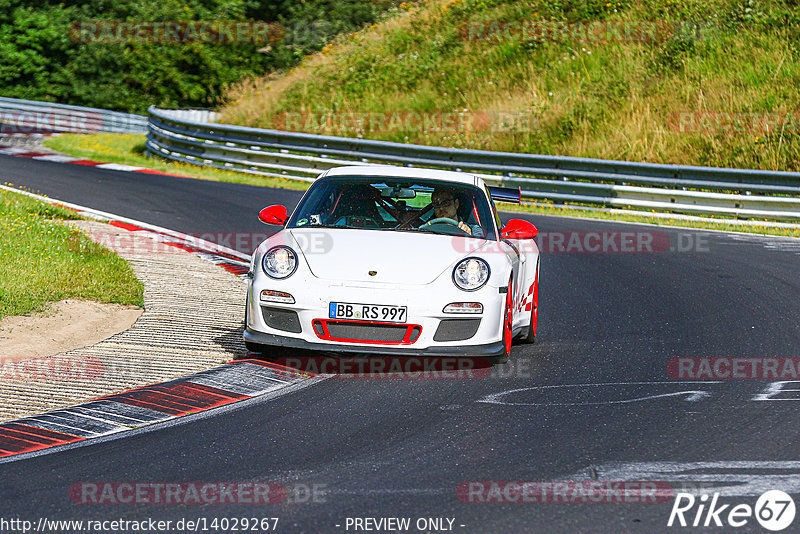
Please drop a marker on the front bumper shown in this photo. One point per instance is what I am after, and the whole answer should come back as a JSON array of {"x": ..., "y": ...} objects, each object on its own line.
[
  {"x": 487, "y": 350},
  {"x": 425, "y": 310}
]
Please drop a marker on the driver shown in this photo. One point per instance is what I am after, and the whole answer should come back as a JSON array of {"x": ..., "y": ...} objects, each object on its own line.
[{"x": 445, "y": 205}]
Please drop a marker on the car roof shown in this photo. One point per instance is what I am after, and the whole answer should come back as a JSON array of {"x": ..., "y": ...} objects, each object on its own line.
[{"x": 405, "y": 172}]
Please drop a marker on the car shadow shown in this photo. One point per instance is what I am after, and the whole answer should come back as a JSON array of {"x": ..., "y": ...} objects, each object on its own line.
[
  {"x": 367, "y": 365},
  {"x": 230, "y": 341}
]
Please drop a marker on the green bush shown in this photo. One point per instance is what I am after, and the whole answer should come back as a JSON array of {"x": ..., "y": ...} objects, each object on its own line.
[{"x": 40, "y": 61}]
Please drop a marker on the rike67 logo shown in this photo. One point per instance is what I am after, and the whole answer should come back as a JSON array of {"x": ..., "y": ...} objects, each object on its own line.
[{"x": 774, "y": 510}]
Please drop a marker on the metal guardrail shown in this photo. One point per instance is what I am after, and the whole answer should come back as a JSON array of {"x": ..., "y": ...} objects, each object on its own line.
[
  {"x": 28, "y": 117},
  {"x": 192, "y": 115},
  {"x": 708, "y": 190}
]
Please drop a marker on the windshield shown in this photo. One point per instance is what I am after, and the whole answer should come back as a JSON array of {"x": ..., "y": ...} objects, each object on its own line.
[{"x": 396, "y": 204}]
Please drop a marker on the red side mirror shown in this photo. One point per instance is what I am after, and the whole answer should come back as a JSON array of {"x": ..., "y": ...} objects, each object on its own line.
[
  {"x": 519, "y": 229},
  {"x": 273, "y": 215}
]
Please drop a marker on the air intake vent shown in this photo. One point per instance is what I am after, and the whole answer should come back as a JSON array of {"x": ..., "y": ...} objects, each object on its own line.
[
  {"x": 286, "y": 320},
  {"x": 456, "y": 329}
]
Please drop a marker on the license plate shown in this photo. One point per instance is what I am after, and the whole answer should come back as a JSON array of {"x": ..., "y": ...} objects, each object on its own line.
[{"x": 368, "y": 312}]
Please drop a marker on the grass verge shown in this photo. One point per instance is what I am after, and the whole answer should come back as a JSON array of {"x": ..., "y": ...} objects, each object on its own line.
[
  {"x": 129, "y": 149},
  {"x": 45, "y": 260}
]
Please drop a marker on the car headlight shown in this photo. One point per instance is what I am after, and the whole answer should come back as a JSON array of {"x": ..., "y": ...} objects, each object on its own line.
[
  {"x": 471, "y": 274},
  {"x": 279, "y": 262}
]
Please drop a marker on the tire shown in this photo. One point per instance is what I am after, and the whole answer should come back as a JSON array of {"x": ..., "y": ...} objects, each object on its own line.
[{"x": 530, "y": 335}]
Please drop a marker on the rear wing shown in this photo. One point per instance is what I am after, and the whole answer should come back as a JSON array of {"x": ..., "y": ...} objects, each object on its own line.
[{"x": 506, "y": 194}]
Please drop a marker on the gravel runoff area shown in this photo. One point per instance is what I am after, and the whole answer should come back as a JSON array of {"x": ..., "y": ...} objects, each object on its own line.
[
  {"x": 193, "y": 320},
  {"x": 25, "y": 141}
]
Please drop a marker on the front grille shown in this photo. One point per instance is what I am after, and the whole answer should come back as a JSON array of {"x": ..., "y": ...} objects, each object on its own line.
[
  {"x": 286, "y": 320},
  {"x": 364, "y": 332},
  {"x": 456, "y": 329}
]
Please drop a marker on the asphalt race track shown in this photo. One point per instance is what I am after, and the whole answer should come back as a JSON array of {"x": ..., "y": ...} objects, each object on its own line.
[{"x": 593, "y": 397}]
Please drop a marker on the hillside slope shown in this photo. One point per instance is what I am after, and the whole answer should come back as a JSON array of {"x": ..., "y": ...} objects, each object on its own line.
[{"x": 689, "y": 82}]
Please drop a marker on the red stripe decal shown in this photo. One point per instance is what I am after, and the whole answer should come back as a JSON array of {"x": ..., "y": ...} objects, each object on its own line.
[
  {"x": 18, "y": 446},
  {"x": 156, "y": 400},
  {"x": 7, "y": 436},
  {"x": 183, "y": 247},
  {"x": 275, "y": 366},
  {"x": 177, "y": 399},
  {"x": 16, "y": 438},
  {"x": 200, "y": 392},
  {"x": 41, "y": 432},
  {"x": 235, "y": 269},
  {"x": 126, "y": 226}
]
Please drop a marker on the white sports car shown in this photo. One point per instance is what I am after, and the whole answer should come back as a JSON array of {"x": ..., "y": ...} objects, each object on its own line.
[{"x": 395, "y": 260}]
